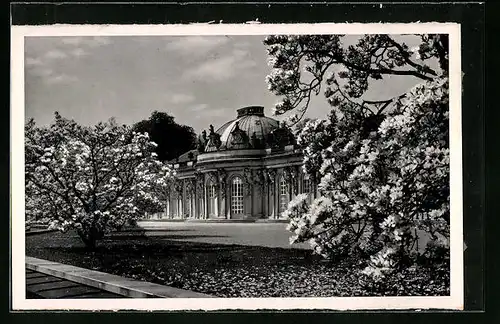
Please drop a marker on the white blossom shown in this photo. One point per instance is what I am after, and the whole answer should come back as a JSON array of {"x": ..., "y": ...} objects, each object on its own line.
[{"x": 74, "y": 176}]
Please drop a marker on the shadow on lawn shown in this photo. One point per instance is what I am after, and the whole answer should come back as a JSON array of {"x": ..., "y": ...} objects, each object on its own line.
[
  {"x": 152, "y": 236},
  {"x": 145, "y": 256},
  {"x": 144, "y": 230},
  {"x": 163, "y": 247}
]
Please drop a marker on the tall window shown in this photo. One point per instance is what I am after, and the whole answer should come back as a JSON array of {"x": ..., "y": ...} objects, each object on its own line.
[
  {"x": 212, "y": 198},
  {"x": 237, "y": 196},
  {"x": 283, "y": 194},
  {"x": 306, "y": 185}
]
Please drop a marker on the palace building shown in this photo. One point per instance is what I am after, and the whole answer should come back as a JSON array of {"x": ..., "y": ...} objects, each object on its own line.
[{"x": 249, "y": 168}]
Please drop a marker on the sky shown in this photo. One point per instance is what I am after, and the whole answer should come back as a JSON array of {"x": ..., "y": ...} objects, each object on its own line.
[{"x": 200, "y": 80}]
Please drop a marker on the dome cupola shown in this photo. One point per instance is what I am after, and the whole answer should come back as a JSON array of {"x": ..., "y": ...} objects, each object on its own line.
[{"x": 250, "y": 130}]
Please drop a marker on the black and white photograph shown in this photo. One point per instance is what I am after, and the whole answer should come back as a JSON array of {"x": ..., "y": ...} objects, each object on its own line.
[{"x": 237, "y": 167}]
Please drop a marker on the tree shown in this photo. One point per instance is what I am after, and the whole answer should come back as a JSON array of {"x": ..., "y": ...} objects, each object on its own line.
[
  {"x": 91, "y": 179},
  {"x": 299, "y": 125},
  {"x": 172, "y": 139},
  {"x": 382, "y": 166}
]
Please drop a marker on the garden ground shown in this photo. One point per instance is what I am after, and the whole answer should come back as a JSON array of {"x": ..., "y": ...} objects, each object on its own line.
[
  {"x": 224, "y": 260},
  {"x": 272, "y": 235}
]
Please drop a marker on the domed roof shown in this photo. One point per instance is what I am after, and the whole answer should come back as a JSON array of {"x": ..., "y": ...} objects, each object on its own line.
[{"x": 250, "y": 129}]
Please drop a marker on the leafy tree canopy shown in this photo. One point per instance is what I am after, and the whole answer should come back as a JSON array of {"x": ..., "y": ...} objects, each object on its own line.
[
  {"x": 303, "y": 65},
  {"x": 173, "y": 139}
]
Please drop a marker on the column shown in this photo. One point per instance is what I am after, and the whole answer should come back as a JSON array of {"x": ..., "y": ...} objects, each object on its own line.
[
  {"x": 252, "y": 199},
  {"x": 205, "y": 200},
  {"x": 181, "y": 207},
  {"x": 216, "y": 203},
  {"x": 222, "y": 203},
  {"x": 265, "y": 200},
  {"x": 227, "y": 202},
  {"x": 195, "y": 202},
  {"x": 272, "y": 197},
  {"x": 276, "y": 198},
  {"x": 191, "y": 205}
]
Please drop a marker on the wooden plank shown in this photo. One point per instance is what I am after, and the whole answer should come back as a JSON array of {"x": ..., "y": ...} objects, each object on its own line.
[
  {"x": 52, "y": 286},
  {"x": 97, "y": 294},
  {"x": 65, "y": 292},
  {"x": 35, "y": 275},
  {"x": 79, "y": 290},
  {"x": 41, "y": 280},
  {"x": 41, "y": 286},
  {"x": 104, "y": 281}
]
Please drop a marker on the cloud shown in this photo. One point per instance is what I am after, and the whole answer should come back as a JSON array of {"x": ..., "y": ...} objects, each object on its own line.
[
  {"x": 41, "y": 71},
  {"x": 94, "y": 41},
  {"x": 221, "y": 112},
  {"x": 181, "y": 98},
  {"x": 55, "y": 54},
  {"x": 30, "y": 61},
  {"x": 203, "y": 112},
  {"x": 98, "y": 41},
  {"x": 76, "y": 41},
  {"x": 60, "y": 79},
  {"x": 72, "y": 47},
  {"x": 193, "y": 45},
  {"x": 221, "y": 68},
  {"x": 242, "y": 44},
  {"x": 79, "y": 52},
  {"x": 199, "y": 107}
]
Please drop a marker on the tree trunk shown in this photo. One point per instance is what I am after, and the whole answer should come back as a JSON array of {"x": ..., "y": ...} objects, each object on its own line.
[
  {"x": 90, "y": 242},
  {"x": 89, "y": 237}
]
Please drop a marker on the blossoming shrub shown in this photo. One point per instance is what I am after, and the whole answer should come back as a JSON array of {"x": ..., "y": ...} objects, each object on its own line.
[
  {"x": 92, "y": 179},
  {"x": 381, "y": 165},
  {"x": 381, "y": 189}
]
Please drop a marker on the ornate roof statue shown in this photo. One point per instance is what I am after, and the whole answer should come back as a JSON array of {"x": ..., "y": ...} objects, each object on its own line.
[
  {"x": 214, "y": 138},
  {"x": 249, "y": 130},
  {"x": 202, "y": 141},
  {"x": 255, "y": 141},
  {"x": 239, "y": 138}
]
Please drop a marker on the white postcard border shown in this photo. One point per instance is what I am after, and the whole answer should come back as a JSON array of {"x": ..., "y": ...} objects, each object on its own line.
[{"x": 19, "y": 302}]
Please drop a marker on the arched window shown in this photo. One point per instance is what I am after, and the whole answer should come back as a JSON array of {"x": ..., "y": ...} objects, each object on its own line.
[
  {"x": 212, "y": 199},
  {"x": 237, "y": 196},
  {"x": 283, "y": 194}
]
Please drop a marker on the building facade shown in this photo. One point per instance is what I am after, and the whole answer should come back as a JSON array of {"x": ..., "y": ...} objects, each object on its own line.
[{"x": 249, "y": 168}]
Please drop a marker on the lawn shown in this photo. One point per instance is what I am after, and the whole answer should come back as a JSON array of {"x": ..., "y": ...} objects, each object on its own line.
[{"x": 221, "y": 270}]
